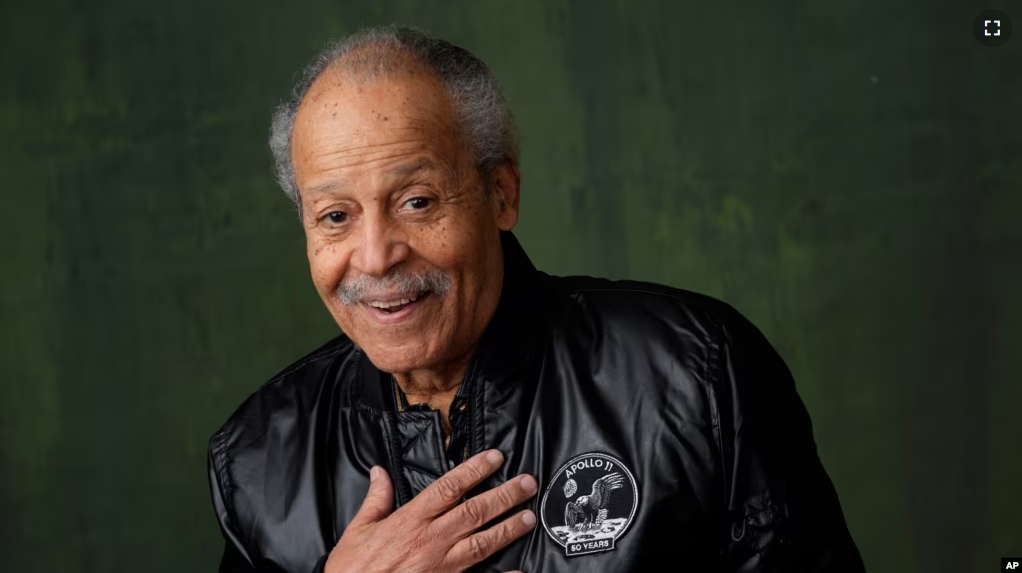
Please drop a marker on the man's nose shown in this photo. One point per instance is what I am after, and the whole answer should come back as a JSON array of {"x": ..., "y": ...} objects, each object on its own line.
[{"x": 381, "y": 247}]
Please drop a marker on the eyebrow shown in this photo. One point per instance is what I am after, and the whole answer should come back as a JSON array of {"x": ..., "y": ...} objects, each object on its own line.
[{"x": 399, "y": 172}]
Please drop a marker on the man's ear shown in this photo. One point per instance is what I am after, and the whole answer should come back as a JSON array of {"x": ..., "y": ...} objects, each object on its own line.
[{"x": 505, "y": 185}]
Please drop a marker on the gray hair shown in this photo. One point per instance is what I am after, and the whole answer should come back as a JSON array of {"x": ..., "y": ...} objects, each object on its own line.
[{"x": 371, "y": 54}]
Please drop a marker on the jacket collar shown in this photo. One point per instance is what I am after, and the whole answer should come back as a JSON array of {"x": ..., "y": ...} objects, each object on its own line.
[
  {"x": 516, "y": 262},
  {"x": 504, "y": 343}
]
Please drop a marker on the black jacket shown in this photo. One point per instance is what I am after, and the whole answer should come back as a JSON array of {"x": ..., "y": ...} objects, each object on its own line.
[{"x": 664, "y": 431}]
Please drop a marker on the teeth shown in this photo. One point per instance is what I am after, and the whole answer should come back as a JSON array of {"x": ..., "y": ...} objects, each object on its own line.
[{"x": 385, "y": 305}]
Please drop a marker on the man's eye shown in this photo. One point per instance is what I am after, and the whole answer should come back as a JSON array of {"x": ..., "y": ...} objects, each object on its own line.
[
  {"x": 336, "y": 217},
  {"x": 418, "y": 203}
]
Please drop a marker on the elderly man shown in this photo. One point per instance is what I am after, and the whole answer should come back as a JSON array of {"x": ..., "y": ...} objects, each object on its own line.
[{"x": 478, "y": 414}]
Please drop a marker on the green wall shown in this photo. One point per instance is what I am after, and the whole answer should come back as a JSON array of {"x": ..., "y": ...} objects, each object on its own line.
[{"x": 846, "y": 173}]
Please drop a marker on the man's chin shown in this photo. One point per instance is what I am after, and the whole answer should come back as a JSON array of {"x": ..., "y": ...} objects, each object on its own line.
[
  {"x": 398, "y": 359},
  {"x": 403, "y": 345}
]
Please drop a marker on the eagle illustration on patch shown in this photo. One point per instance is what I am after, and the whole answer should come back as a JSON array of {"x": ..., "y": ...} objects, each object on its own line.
[{"x": 589, "y": 503}]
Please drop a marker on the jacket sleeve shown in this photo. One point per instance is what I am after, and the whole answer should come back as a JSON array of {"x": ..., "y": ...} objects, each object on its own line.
[
  {"x": 783, "y": 512},
  {"x": 235, "y": 558}
]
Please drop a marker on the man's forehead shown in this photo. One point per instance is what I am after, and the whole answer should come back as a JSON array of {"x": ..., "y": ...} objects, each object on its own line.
[
  {"x": 402, "y": 169},
  {"x": 377, "y": 140},
  {"x": 361, "y": 109},
  {"x": 389, "y": 128}
]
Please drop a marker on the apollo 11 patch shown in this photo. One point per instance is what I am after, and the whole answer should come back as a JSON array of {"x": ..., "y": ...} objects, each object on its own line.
[{"x": 589, "y": 503}]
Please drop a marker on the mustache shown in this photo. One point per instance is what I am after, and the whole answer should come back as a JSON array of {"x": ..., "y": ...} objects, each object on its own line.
[{"x": 365, "y": 286}]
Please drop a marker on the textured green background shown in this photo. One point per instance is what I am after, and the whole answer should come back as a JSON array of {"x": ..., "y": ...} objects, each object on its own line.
[{"x": 846, "y": 173}]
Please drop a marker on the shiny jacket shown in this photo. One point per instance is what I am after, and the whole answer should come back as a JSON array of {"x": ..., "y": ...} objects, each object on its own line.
[{"x": 663, "y": 429}]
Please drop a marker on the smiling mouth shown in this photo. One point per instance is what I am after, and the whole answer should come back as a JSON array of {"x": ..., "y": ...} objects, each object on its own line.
[{"x": 391, "y": 307}]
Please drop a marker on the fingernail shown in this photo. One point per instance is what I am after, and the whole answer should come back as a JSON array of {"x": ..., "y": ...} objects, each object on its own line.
[
  {"x": 528, "y": 484},
  {"x": 374, "y": 474},
  {"x": 494, "y": 457},
  {"x": 529, "y": 518}
]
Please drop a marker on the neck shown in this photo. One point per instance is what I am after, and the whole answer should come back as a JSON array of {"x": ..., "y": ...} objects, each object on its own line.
[{"x": 435, "y": 387}]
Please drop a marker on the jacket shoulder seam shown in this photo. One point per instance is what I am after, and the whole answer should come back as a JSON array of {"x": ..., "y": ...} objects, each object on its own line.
[
  {"x": 715, "y": 384},
  {"x": 223, "y": 476}
]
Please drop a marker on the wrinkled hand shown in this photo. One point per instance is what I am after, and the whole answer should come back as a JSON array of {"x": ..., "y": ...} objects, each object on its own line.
[{"x": 434, "y": 532}]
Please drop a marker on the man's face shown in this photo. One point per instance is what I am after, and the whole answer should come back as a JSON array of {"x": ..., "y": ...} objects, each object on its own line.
[{"x": 403, "y": 243}]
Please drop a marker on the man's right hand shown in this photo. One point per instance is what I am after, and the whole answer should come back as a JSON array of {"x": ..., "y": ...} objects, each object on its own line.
[{"x": 435, "y": 532}]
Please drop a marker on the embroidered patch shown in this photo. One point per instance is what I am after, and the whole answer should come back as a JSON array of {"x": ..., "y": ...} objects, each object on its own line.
[{"x": 601, "y": 512}]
